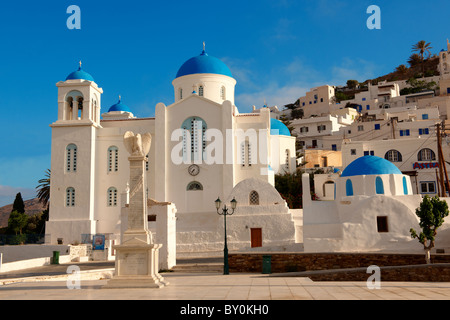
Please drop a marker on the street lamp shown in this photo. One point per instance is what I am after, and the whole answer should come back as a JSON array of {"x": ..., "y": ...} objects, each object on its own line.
[{"x": 224, "y": 212}]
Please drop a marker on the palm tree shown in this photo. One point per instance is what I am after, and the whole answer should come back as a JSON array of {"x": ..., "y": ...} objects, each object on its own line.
[
  {"x": 422, "y": 47},
  {"x": 43, "y": 189},
  {"x": 414, "y": 60},
  {"x": 402, "y": 69}
]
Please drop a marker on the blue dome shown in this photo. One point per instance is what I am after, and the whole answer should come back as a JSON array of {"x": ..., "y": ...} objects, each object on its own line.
[
  {"x": 204, "y": 64},
  {"x": 80, "y": 75},
  {"x": 119, "y": 106},
  {"x": 280, "y": 126},
  {"x": 370, "y": 165}
]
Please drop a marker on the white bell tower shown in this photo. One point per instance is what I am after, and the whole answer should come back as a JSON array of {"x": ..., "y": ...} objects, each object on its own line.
[
  {"x": 73, "y": 159},
  {"x": 79, "y": 99}
]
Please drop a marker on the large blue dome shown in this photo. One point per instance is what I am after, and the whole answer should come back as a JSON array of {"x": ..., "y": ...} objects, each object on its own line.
[
  {"x": 278, "y": 128},
  {"x": 204, "y": 64},
  {"x": 370, "y": 165},
  {"x": 80, "y": 74}
]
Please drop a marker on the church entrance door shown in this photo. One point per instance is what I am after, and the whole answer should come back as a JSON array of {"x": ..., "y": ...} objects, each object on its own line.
[{"x": 256, "y": 237}]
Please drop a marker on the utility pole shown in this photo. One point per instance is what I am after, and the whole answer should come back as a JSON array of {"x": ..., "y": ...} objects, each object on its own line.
[
  {"x": 442, "y": 166},
  {"x": 444, "y": 163},
  {"x": 393, "y": 128}
]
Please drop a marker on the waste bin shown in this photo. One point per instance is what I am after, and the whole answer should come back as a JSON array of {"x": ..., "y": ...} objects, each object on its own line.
[
  {"x": 55, "y": 259},
  {"x": 267, "y": 265}
]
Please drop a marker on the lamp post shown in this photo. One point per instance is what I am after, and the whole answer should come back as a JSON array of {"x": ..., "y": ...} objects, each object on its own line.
[{"x": 225, "y": 212}]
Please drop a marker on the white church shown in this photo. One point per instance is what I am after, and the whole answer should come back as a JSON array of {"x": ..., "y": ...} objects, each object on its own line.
[{"x": 202, "y": 148}]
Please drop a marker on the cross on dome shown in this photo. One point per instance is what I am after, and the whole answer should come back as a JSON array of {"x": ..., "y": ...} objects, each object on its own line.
[{"x": 204, "y": 48}]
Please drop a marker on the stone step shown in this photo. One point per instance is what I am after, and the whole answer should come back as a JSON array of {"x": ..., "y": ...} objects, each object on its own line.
[{"x": 200, "y": 268}]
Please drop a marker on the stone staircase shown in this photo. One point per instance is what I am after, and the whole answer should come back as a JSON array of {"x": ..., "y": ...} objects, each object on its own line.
[{"x": 199, "y": 265}]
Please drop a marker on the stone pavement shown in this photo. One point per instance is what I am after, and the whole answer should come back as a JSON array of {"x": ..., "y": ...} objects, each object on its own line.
[{"x": 217, "y": 287}]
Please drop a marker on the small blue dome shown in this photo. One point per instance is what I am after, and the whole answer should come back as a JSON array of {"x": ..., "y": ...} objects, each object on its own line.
[
  {"x": 119, "y": 106},
  {"x": 204, "y": 64},
  {"x": 278, "y": 128},
  {"x": 80, "y": 75},
  {"x": 370, "y": 165}
]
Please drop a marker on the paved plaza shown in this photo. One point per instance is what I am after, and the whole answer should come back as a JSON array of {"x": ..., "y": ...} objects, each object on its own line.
[{"x": 217, "y": 287}]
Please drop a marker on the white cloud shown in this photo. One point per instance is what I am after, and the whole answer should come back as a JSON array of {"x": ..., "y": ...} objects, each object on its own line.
[
  {"x": 287, "y": 83},
  {"x": 273, "y": 94}
]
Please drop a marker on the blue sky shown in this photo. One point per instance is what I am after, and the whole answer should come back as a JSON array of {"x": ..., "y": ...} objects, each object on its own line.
[{"x": 276, "y": 50}]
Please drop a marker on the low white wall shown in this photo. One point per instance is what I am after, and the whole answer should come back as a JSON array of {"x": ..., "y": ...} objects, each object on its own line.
[
  {"x": 31, "y": 263},
  {"x": 32, "y": 251}
]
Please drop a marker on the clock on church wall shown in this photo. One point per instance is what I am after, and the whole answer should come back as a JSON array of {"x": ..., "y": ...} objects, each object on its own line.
[{"x": 194, "y": 170}]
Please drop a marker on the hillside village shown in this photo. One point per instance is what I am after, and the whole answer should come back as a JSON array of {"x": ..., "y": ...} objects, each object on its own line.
[{"x": 395, "y": 117}]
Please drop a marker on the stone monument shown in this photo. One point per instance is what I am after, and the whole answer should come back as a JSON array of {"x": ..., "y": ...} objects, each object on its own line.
[{"x": 137, "y": 255}]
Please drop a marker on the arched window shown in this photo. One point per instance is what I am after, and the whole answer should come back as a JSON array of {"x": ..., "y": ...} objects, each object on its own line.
[
  {"x": 79, "y": 108},
  {"x": 194, "y": 186},
  {"x": 426, "y": 155},
  {"x": 379, "y": 186},
  {"x": 112, "y": 197},
  {"x": 196, "y": 127},
  {"x": 223, "y": 93},
  {"x": 74, "y": 105},
  {"x": 180, "y": 93},
  {"x": 254, "y": 198},
  {"x": 200, "y": 91},
  {"x": 70, "y": 197},
  {"x": 113, "y": 159},
  {"x": 69, "y": 109},
  {"x": 393, "y": 156},
  {"x": 349, "y": 188},
  {"x": 71, "y": 158},
  {"x": 405, "y": 186}
]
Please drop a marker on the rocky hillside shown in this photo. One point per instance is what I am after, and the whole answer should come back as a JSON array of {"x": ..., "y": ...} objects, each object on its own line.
[
  {"x": 32, "y": 207},
  {"x": 430, "y": 67}
]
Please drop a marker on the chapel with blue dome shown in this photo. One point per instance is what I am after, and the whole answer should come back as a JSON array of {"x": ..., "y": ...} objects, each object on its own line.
[
  {"x": 372, "y": 176},
  {"x": 278, "y": 128},
  {"x": 370, "y": 165}
]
